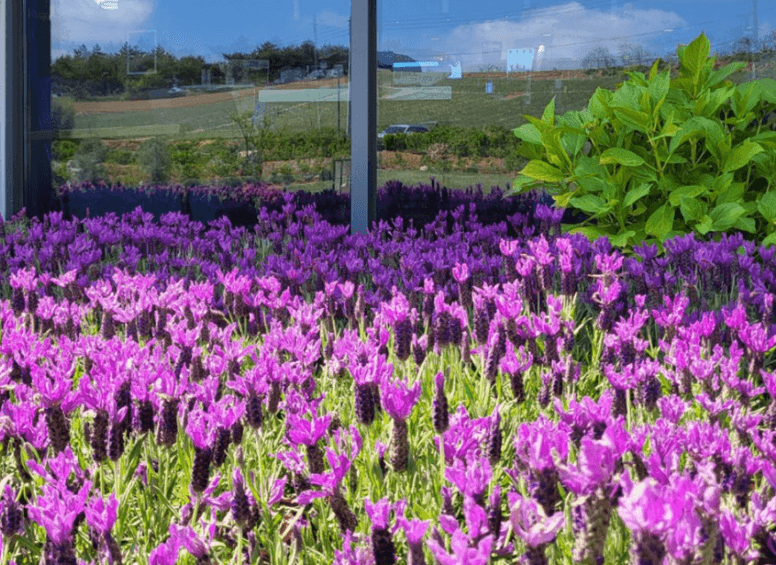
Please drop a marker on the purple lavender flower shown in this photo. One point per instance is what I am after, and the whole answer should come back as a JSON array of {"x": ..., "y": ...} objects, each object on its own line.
[
  {"x": 382, "y": 543},
  {"x": 398, "y": 401},
  {"x": 533, "y": 526},
  {"x": 461, "y": 551}
]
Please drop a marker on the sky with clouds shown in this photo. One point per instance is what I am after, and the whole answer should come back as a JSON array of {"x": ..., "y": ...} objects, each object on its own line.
[{"x": 459, "y": 30}]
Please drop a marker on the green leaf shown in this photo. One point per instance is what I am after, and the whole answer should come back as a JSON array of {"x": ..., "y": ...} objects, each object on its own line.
[
  {"x": 767, "y": 206},
  {"x": 725, "y": 215},
  {"x": 562, "y": 200},
  {"x": 692, "y": 209},
  {"x": 634, "y": 194},
  {"x": 589, "y": 203},
  {"x": 659, "y": 85},
  {"x": 705, "y": 225},
  {"x": 741, "y": 156},
  {"x": 770, "y": 240},
  {"x": 620, "y": 156},
  {"x": 745, "y": 224},
  {"x": 734, "y": 192},
  {"x": 695, "y": 56},
  {"x": 661, "y": 221},
  {"x": 528, "y": 133},
  {"x": 691, "y": 191},
  {"x": 592, "y": 233},
  {"x": 543, "y": 171},
  {"x": 621, "y": 239},
  {"x": 633, "y": 118}
]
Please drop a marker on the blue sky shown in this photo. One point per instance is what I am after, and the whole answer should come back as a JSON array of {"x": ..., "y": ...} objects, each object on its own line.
[{"x": 458, "y": 30}]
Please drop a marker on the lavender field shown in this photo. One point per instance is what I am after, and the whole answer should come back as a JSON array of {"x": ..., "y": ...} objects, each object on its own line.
[{"x": 180, "y": 393}]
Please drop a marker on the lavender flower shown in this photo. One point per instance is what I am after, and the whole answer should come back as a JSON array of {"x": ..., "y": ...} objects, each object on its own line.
[
  {"x": 398, "y": 401},
  {"x": 382, "y": 543}
]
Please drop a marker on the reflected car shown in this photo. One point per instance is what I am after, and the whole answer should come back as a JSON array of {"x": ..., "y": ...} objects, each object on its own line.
[
  {"x": 402, "y": 128},
  {"x": 399, "y": 128}
]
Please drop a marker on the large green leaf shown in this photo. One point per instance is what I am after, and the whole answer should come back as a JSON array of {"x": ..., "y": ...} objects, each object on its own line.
[
  {"x": 636, "y": 193},
  {"x": 633, "y": 118},
  {"x": 725, "y": 215},
  {"x": 705, "y": 225},
  {"x": 745, "y": 224},
  {"x": 689, "y": 191},
  {"x": 620, "y": 156},
  {"x": 692, "y": 209},
  {"x": 543, "y": 171},
  {"x": 733, "y": 193},
  {"x": 589, "y": 203},
  {"x": 528, "y": 133},
  {"x": 661, "y": 221},
  {"x": 767, "y": 206},
  {"x": 741, "y": 156},
  {"x": 658, "y": 87},
  {"x": 695, "y": 56}
]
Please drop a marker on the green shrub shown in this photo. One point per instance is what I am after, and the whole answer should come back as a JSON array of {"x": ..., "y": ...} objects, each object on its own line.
[
  {"x": 154, "y": 155},
  {"x": 89, "y": 159},
  {"x": 120, "y": 156},
  {"x": 63, "y": 149},
  {"x": 662, "y": 162},
  {"x": 62, "y": 115}
]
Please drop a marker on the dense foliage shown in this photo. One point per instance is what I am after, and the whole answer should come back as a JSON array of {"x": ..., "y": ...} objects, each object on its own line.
[{"x": 663, "y": 162}]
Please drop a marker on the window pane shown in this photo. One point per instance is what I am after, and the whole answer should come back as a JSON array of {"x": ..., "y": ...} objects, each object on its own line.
[
  {"x": 127, "y": 74},
  {"x": 454, "y": 64}
]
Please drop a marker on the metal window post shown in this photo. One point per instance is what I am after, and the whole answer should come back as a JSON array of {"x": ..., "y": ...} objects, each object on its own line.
[
  {"x": 25, "y": 99},
  {"x": 12, "y": 106},
  {"x": 363, "y": 141}
]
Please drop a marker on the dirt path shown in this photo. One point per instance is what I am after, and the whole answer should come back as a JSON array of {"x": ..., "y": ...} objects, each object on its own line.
[{"x": 114, "y": 106}]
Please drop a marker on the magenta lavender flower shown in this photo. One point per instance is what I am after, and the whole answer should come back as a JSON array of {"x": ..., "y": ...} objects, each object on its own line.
[
  {"x": 534, "y": 527},
  {"x": 382, "y": 542},
  {"x": 398, "y": 401}
]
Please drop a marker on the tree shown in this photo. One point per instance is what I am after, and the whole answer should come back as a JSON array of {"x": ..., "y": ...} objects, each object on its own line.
[
  {"x": 632, "y": 54},
  {"x": 598, "y": 58}
]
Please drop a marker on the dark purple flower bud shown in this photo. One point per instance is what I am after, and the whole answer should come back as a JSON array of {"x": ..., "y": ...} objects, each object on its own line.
[
  {"x": 494, "y": 438},
  {"x": 649, "y": 392},
  {"x": 167, "y": 433},
  {"x": 314, "y": 459},
  {"x": 518, "y": 390},
  {"x": 442, "y": 330},
  {"x": 544, "y": 489},
  {"x": 201, "y": 469},
  {"x": 274, "y": 397},
  {"x": 17, "y": 301},
  {"x": 241, "y": 511},
  {"x": 221, "y": 445},
  {"x": 99, "y": 437},
  {"x": 11, "y": 516},
  {"x": 116, "y": 442},
  {"x": 237, "y": 432},
  {"x": 145, "y": 415},
  {"x": 108, "y": 327},
  {"x": 58, "y": 428},
  {"x": 494, "y": 512},
  {"x": 400, "y": 446},
  {"x": 481, "y": 325},
  {"x": 402, "y": 338},
  {"x": 364, "y": 404},
  {"x": 345, "y": 517},
  {"x": 253, "y": 410},
  {"x": 441, "y": 416},
  {"x": 123, "y": 398}
]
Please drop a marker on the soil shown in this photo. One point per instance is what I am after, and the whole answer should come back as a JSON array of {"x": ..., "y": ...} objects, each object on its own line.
[{"x": 195, "y": 99}]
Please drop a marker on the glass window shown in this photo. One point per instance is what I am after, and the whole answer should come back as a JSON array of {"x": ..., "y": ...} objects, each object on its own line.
[{"x": 229, "y": 90}]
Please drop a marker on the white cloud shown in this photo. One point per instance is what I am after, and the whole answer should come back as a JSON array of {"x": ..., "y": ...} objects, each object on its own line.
[
  {"x": 76, "y": 22},
  {"x": 332, "y": 19},
  {"x": 574, "y": 31}
]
